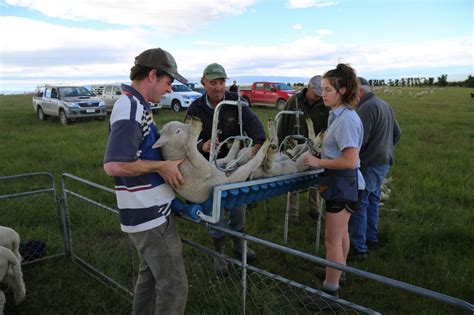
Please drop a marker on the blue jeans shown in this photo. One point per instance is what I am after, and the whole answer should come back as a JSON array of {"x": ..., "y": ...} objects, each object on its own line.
[
  {"x": 363, "y": 224},
  {"x": 235, "y": 222}
]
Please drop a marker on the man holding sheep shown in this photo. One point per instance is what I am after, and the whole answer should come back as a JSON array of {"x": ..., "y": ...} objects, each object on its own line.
[
  {"x": 144, "y": 185},
  {"x": 214, "y": 81}
]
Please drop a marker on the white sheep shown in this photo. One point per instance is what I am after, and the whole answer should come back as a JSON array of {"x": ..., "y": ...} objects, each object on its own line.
[
  {"x": 277, "y": 163},
  {"x": 10, "y": 239},
  {"x": 10, "y": 265},
  {"x": 179, "y": 141}
]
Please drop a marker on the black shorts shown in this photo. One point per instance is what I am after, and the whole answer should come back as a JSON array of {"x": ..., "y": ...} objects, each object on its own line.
[{"x": 338, "y": 206}]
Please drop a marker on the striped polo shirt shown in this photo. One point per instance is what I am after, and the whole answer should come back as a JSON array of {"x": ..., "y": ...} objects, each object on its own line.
[{"x": 143, "y": 201}]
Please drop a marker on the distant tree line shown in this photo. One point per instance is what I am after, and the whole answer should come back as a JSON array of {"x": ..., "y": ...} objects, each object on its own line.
[
  {"x": 418, "y": 81},
  {"x": 422, "y": 81}
]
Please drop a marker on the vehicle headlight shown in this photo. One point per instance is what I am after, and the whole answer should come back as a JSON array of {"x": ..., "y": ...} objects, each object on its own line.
[
  {"x": 101, "y": 103},
  {"x": 72, "y": 105},
  {"x": 186, "y": 97}
]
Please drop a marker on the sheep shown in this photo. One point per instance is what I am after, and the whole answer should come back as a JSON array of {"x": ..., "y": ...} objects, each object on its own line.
[
  {"x": 10, "y": 239},
  {"x": 179, "y": 141},
  {"x": 276, "y": 163},
  {"x": 10, "y": 264}
]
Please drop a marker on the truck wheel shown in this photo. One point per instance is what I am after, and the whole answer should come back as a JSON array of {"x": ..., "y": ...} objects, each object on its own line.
[
  {"x": 40, "y": 114},
  {"x": 176, "y": 106},
  {"x": 63, "y": 118},
  {"x": 280, "y": 104}
]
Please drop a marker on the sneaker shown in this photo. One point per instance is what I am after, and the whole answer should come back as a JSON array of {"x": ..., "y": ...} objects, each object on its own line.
[{"x": 355, "y": 255}]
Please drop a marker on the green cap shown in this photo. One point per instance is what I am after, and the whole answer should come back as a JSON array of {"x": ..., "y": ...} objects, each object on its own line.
[
  {"x": 214, "y": 71},
  {"x": 160, "y": 59}
]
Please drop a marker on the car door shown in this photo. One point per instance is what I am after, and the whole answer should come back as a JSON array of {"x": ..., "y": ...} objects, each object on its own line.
[
  {"x": 116, "y": 93},
  {"x": 108, "y": 97},
  {"x": 167, "y": 98},
  {"x": 258, "y": 95},
  {"x": 270, "y": 94}
]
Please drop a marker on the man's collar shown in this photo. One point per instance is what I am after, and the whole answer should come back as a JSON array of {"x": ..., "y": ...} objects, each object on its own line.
[
  {"x": 209, "y": 103},
  {"x": 127, "y": 89}
]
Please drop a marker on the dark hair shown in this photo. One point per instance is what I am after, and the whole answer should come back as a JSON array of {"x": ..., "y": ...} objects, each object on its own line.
[
  {"x": 344, "y": 77},
  {"x": 138, "y": 72}
]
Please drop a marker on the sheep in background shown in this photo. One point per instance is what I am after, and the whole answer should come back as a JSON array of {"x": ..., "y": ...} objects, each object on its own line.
[{"x": 179, "y": 141}]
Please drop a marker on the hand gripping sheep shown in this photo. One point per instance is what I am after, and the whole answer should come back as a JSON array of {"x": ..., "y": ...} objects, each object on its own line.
[
  {"x": 10, "y": 265},
  {"x": 179, "y": 141}
]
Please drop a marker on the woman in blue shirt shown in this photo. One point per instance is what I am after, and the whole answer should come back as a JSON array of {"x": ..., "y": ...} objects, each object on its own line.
[{"x": 340, "y": 157}]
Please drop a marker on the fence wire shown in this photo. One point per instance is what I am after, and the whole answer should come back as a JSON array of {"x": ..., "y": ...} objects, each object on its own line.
[
  {"x": 84, "y": 224},
  {"x": 28, "y": 204}
]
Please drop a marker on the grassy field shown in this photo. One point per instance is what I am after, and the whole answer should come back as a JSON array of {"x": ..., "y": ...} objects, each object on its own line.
[{"x": 428, "y": 222}]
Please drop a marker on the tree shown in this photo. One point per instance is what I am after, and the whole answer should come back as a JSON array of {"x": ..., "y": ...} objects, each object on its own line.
[
  {"x": 443, "y": 80},
  {"x": 469, "y": 82}
]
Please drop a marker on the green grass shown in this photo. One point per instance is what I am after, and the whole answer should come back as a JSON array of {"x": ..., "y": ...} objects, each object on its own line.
[{"x": 428, "y": 222}]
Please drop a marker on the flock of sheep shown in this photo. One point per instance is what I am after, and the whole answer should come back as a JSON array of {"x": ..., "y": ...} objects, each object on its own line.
[{"x": 10, "y": 265}]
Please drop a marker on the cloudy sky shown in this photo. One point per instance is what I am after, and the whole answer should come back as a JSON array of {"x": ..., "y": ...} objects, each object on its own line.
[{"x": 95, "y": 41}]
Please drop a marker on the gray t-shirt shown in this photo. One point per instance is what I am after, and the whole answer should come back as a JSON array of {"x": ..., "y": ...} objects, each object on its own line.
[{"x": 345, "y": 130}]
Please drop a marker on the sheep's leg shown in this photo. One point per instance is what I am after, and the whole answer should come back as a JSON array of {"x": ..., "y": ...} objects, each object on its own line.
[
  {"x": 311, "y": 134},
  {"x": 2, "y": 302},
  {"x": 232, "y": 155},
  {"x": 243, "y": 172},
  {"x": 15, "y": 279},
  {"x": 272, "y": 132},
  {"x": 192, "y": 153}
]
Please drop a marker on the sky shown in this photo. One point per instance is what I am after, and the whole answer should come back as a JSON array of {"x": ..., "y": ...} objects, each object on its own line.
[{"x": 95, "y": 41}]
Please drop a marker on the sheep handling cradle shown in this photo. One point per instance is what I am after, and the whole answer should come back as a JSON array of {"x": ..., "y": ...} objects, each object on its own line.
[
  {"x": 228, "y": 196},
  {"x": 231, "y": 195}
]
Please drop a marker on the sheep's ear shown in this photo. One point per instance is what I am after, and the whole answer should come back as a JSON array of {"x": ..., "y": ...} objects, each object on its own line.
[{"x": 160, "y": 142}]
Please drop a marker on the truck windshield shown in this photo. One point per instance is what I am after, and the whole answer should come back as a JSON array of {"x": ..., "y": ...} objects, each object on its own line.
[
  {"x": 180, "y": 88},
  {"x": 283, "y": 86},
  {"x": 74, "y": 91}
]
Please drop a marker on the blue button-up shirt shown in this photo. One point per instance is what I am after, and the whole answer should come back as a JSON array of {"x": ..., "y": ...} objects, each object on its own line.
[{"x": 345, "y": 130}]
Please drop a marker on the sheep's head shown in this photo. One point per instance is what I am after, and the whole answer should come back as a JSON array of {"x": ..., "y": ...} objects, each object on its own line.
[{"x": 174, "y": 137}]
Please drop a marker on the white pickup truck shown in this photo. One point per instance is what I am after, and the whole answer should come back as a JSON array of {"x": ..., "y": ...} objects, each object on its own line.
[
  {"x": 68, "y": 103},
  {"x": 181, "y": 97}
]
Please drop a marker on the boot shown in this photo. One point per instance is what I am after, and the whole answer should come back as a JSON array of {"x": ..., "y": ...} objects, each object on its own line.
[
  {"x": 220, "y": 264},
  {"x": 237, "y": 248}
]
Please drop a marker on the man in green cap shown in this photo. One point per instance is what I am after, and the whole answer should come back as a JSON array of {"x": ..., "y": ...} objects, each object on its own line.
[
  {"x": 214, "y": 81},
  {"x": 144, "y": 185}
]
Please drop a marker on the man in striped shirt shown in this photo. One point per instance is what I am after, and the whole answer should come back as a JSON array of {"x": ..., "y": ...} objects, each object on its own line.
[{"x": 144, "y": 185}]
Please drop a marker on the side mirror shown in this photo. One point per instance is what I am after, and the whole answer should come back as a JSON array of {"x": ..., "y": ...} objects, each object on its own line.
[
  {"x": 118, "y": 93},
  {"x": 273, "y": 89}
]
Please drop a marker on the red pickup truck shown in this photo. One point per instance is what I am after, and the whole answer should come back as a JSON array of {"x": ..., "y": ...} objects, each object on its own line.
[{"x": 268, "y": 94}]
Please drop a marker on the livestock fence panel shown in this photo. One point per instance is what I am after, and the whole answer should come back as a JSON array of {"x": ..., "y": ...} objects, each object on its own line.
[
  {"x": 97, "y": 244},
  {"x": 278, "y": 283},
  {"x": 29, "y": 205}
]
